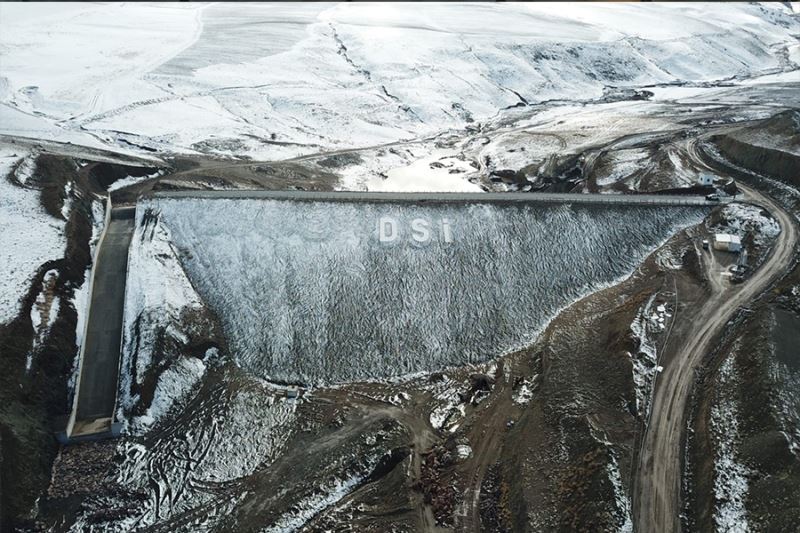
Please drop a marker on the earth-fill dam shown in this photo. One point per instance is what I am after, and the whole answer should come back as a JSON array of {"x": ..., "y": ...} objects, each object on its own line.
[{"x": 328, "y": 291}]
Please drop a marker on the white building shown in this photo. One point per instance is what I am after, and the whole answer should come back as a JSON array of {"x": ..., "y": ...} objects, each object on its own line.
[
  {"x": 727, "y": 242},
  {"x": 705, "y": 179}
]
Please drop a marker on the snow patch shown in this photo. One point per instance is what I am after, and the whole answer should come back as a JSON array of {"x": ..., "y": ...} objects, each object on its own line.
[
  {"x": 66, "y": 206},
  {"x": 625, "y": 164},
  {"x": 157, "y": 291},
  {"x": 80, "y": 301},
  {"x": 222, "y": 439},
  {"x": 621, "y": 500},
  {"x": 524, "y": 393},
  {"x": 448, "y": 408},
  {"x": 463, "y": 451},
  {"x": 651, "y": 320},
  {"x": 132, "y": 180},
  {"x": 742, "y": 219},
  {"x": 730, "y": 476},
  {"x": 26, "y": 169},
  {"x": 44, "y": 312},
  {"x": 29, "y": 238},
  {"x": 175, "y": 385},
  {"x": 309, "y": 507},
  {"x": 441, "y": 171}
]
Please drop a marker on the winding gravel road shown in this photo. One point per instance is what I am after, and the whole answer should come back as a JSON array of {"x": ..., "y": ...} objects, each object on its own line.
[{"x": 657, "y": 491}]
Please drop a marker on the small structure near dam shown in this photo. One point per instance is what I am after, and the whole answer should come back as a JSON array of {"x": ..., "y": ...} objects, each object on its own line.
[{"x": 727, "y": 243}]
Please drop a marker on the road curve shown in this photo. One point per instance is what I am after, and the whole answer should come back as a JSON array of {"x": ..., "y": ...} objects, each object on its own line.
[{"x": 657, "y": 490}]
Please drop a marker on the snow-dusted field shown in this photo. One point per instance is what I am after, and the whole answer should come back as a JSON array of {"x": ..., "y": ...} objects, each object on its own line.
[
  {"x": 29, "y": 236},
  {"x": 308, "y": 292},
  {"x": 235, "y": 79},
  {"x": 421, "y": 97}
]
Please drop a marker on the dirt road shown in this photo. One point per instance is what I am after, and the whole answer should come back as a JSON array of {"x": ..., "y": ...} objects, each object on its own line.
[{"x": 657, "y": 492}]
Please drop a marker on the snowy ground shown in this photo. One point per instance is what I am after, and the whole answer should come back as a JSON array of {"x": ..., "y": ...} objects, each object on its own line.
[
  {"x": 648, "y": 322},
  {"x": 29, "y": 235},
  {"x": 622, "y": 501},
  {"x": 215, "y": 444},
  {"x": 730, "y": 475},
  {"x": 44, "y": 312},
  {"x": 441, "y": 171},
  {"x": 271, "y": 81},
  {"x": 741, "y": 219},
  {"x": 132, "y": 180},
  {"x": 157, "y": 294}
]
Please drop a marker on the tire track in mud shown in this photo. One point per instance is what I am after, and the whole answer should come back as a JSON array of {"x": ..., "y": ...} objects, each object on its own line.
[
  {"x": 172, "y": 512},
  {"x": 175, "y": 451},
  {"x": 423, "y": 437},
  {"x": 487, "y": 447}
]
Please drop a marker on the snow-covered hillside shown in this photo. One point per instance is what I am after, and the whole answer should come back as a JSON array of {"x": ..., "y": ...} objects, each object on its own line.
[
  {"x": 272, "y": 81},
  {"x": 308, "y": 292},
  {"x": 29, "y": 236}
]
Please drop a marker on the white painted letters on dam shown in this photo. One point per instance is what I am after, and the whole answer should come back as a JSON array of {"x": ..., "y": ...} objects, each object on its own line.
[{"x": 418, "y": 230}]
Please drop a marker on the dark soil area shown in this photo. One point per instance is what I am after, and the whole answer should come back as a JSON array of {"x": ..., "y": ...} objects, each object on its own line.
[
  {"x": 583, "y": 418},
  {"x": 494, "y": 504},
  {"x": 339, "y": 161},
  {"x": 654, "y": 171},
  {"x": 764, "y": 441},
  {"x": 210, "y": 174},
  {"x": 752, "y": 147}
]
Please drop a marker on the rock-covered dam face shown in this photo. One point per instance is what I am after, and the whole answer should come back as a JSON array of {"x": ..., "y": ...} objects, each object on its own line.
[{"x": 323, "y": 292}]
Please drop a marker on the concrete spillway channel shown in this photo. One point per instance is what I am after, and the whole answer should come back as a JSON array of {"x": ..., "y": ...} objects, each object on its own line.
[
  {"x": 96, "y": 391},
  {"x": 96, "y": 388}
]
